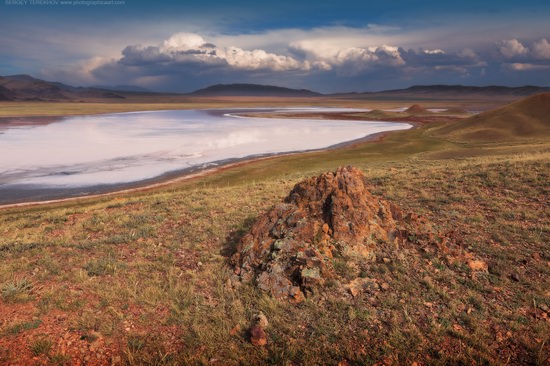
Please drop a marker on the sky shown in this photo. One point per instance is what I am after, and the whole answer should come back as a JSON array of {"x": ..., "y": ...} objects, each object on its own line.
[{"x": 323, "y": 45}]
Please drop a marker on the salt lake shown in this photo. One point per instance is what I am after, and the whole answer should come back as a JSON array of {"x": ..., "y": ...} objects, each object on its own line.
[{"x": 82, "y": 155}]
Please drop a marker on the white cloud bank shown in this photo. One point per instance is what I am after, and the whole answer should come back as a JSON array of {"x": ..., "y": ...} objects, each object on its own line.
[
  {"x": 521, "y": 58},
  {"x": 187, "y": 61},
  {"x": 189, "y": 48},
  {"x": 192, "y": 53},
  {"x": 514, "y": 49}
]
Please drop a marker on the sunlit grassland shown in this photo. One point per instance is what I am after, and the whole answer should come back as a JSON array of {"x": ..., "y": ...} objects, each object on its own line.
[
  {"x": 147, "y": 270},
  {"x": 12, "y": 109},
  {"x": 164, "y": 102}
]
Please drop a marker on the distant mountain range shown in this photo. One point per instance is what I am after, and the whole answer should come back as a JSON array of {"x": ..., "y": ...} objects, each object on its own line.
[
  {"x": 254, "y": 90},
  {"x": 28, "y": 88},
  {"x": 467, "y": 90},
  {"x": 124, "y": 88}
]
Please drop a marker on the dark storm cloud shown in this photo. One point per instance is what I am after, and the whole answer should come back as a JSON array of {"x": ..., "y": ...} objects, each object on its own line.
[{"x": 426, "y": 58}]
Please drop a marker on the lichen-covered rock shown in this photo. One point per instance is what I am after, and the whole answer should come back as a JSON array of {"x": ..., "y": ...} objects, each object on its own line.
[{"x": 289, "y": 251}]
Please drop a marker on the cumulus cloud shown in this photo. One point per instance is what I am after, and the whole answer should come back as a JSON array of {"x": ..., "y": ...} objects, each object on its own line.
[
  {"x": 184, "y": 41},
  {"x": 524, "y": 57},
  {"x": 511, "y": 48},
  {"x": 260, "y": 59},
  {"x": 440, "y": 59},
  {"x": 187, "y": 61},
  {"x": 356, "y": 60},
  {"x": 188, "y": 49},
  {"x": 348, "y": 61},
  {"x": 541, "y": 50}
]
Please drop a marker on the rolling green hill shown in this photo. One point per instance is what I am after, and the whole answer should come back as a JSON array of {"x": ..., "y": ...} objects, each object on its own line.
[{"x": 526, "y": 119}]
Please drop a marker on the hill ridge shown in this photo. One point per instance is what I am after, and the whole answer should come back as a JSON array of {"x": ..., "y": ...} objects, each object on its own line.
[
  {"x": 524, "y": 90},
  {"x": 22, "y": 87},
  {"x": 525, "y": 119},
  {"x": 245, "y": 89}
]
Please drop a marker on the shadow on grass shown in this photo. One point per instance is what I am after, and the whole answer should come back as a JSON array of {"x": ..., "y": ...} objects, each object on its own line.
[{"x": 232, "y": 240}]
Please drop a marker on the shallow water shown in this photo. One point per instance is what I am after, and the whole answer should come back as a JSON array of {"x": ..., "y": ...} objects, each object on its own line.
[{"x": 114, "y": 149}]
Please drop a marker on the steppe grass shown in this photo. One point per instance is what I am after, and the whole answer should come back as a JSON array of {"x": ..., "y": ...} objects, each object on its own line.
[
  {"x": 166, "y": 102},
  {"x": 149, "y": 272},
  {"x": 41, "y": 346},
  {"x": 16, "y": 289},
  {"x": 14, "y": 109},
  {"x": 145, "y": 274}
]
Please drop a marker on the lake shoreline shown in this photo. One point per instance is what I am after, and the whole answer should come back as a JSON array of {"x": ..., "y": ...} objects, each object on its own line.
[{"x": 46, "y": 196}]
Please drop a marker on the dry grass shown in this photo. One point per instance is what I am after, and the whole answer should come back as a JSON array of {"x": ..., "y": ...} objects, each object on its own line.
[
  {"x": 142, "y": 278},
  {"x": 138, "y": 102},
  {"x": 525, "y": 120},
  {"x": 147, "y": 274}
]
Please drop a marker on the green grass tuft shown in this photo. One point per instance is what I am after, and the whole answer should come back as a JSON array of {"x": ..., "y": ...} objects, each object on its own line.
[{"x": 17, "y": 290}]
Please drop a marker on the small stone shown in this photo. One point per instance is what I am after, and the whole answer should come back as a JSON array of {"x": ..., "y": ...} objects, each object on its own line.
[
  {"x": 357, "y": 286},
  {"x": 310, "y": 276},
  {"x": 258, "y": 336},
  {"x": 261, "y": 320},
  {"x": 353, "y": 290},
  {"x": 296, "y": 295},
  {"x": 385, "y": 286},
  {"x": 478, "y": 266},
  {"x": 235, "y": 330},
  {"x": 278, "y": 245},
  {"x": 325, "y": 228},
  {"x": 386, "y": 260}
]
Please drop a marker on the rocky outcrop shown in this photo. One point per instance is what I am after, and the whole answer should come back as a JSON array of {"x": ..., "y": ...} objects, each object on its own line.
[{"x": 290, "y": 250}]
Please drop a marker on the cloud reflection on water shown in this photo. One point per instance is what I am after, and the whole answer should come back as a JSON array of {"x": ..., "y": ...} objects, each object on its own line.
[{"x": 85, "y": 151}]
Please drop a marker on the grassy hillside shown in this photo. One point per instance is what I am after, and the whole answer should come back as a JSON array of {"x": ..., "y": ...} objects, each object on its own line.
[
  {"x": 527, "y": 119},
  {"x": 142, "y": 278}
]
